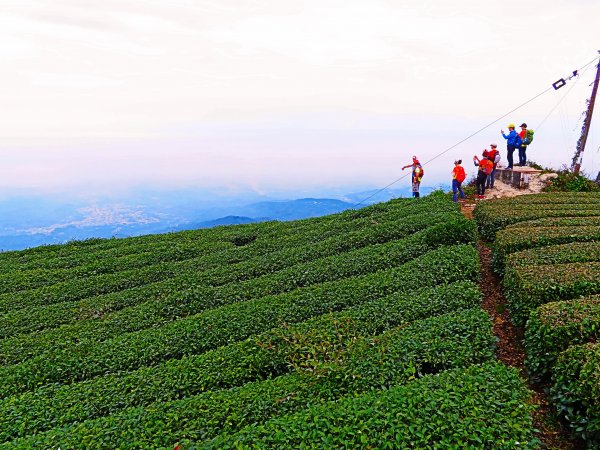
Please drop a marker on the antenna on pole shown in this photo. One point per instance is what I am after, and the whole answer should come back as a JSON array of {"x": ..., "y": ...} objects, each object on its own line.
[{"x": 577, "y": 158}]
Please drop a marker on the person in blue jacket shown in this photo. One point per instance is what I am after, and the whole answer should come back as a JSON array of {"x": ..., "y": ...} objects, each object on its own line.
[{"x": 513, "y": 141}]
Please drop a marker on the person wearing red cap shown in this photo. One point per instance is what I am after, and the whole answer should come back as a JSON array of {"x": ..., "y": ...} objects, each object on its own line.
[
  {"x": 417, "y": 175},
  {"x": 485, "y": 168},
  {"x": 523, "y": 147}
]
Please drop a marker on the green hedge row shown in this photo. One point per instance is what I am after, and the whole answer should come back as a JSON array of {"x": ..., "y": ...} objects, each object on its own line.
[
  {"x": 480, "y": 407},
  {"x": 56, "y": 406},
  {"x": 171, "y": 305},
  {"x": 556, "y": 254},
  {"x": 558, "y": 222},
  {"x": 576, "y": 391},
  {"x": 490, "y": 219},
  {"x": 527, "y": 287},
  {"x": 396, "y": 357},
  {"x": 555, "y": 326},
  {"x": 98, "y": 265},
  {"x": 20, "y": 280},
  {"x": 73, "y": 290},
  {"x": 76, "y": 257},
  {"x": 82, "y": 360},
  {"x": 217, "y": 271},
  {"x": 512, "y": 240},
  {"x": 549, "y": 198},
  {"x": 71, "y": 255}
]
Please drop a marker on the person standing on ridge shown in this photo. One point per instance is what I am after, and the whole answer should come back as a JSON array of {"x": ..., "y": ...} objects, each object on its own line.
[
  {"x": 513, "y": 141},
  {"x": 494, "y": 156},
  {"x": 485, "y": 168},
  {"x": 523, "y": 146},
  {"x": 458, "y": 176},
  {"x": 417, "y": 175}
]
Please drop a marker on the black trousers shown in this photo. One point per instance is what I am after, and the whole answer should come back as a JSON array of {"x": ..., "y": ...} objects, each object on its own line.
[
  {"x": 522, "y": 155},
  {"x": 480, "y": 182},
  {"x": 510, "y": 149}
]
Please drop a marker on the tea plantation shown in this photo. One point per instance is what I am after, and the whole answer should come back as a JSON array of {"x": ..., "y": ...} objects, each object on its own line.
[
  {"x": 548, "y": 248},
  {"x": 356, "y": 330}
]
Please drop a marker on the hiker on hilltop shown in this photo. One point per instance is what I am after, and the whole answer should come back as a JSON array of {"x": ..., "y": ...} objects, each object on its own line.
[
  {"x": 417, "y": 175},
  {"x": 485, "y": 168},
  {"x": 526, "y": 136},
  {"x": 513, "y": 141},
  {"x": 458, "y": 176},
  {"x": 494, "y": 156}
]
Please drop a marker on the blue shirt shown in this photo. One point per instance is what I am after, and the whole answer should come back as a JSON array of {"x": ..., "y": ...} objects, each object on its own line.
[{"x": 512, "y": 138}]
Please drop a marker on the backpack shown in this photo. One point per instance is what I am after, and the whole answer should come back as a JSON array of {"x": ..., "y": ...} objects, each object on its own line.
[
  {"x": 518, "y": 141},
  {"x": 486, "y": 166},
  {"x": 460, "y": 174},
  {"x": 497, "y": 158},
  {"x": 420, "y": 175},
  {"x": 529, "y": 136}
]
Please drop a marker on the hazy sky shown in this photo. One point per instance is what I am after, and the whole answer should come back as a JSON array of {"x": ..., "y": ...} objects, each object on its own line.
[{"x": 280, "y": 94}]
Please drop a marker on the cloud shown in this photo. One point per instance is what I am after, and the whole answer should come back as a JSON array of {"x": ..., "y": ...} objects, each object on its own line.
[{"x": 250, "y": 93}]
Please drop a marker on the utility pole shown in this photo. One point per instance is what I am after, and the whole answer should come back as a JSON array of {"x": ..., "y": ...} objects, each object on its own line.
[{"x": 576, "y": 165}]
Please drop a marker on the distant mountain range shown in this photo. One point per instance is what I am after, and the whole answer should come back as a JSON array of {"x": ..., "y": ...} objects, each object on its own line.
[{"x": 33, "y": 222}]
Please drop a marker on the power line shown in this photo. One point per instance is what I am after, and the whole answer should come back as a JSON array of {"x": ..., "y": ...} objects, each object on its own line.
[
  {"x": 471, "y": 135},
  {"x": 561, "y": 100}
]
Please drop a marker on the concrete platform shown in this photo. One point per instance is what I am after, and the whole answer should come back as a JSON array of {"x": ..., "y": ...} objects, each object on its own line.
[{"x": 518, "y": 177}]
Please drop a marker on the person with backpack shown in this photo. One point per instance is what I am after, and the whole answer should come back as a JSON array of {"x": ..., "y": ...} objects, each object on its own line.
[
  {"x": 417, "y": 175},
  {"x": 494, "y": 156},
  {"x": 526, "y": 136},
  {"x": 485, "y": 168},
  {"x": 458, "y": 176},
  {"x": 513, "y": 141}
]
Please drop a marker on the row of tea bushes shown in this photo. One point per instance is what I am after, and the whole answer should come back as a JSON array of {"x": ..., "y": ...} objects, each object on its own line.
[
  {"x": 555, "y": 326},
  {"x": 154, "y": 313},
  {"x": 551, "y": 269},
  {"x": 528, "y": 287},
  {"x": 576, "y": 391},
  {"x": 511, "y": 240},
  {"x": 575, "y": 252},
  {"x": 77, "y": 288},
  {"x": 395, "y": 358},
  {"x": 75, "y": 254},
  {"x": 495, "y": 215},
  {"x": 350, "y": 251},
  {"x": 199, "y": 333},
  {"x": 291, "y": 318},
  {"x": 479, "y": 407},
  {"x": 55, "y": 405}
]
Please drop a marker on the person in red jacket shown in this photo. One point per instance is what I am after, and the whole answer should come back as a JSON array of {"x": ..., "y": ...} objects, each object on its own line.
[
  {"x": 485, "y": 168},
  {"x": 458, "y": 176},
  {"x": 523, "y": 146}
]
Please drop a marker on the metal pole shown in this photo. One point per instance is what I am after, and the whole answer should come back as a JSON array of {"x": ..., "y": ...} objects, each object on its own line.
[{"x": 576, "y": 165}]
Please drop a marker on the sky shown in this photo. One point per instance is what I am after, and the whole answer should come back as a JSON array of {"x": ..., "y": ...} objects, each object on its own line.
[{"x": 281, "y": 95}]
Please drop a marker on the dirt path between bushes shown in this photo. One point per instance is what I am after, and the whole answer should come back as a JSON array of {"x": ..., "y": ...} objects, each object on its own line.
[{"x": 510, "y": 349}]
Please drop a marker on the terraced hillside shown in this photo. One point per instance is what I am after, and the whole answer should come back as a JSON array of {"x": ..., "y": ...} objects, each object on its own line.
[
  {"x": 548, "y": 248},
  {"x": 357, "y": 330}
]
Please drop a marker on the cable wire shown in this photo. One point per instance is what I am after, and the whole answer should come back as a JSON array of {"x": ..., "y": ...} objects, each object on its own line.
[{"x": 468, "y": 137}]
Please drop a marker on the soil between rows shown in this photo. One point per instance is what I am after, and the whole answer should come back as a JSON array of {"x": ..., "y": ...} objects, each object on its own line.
[{"x": 510, "y": 349}]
